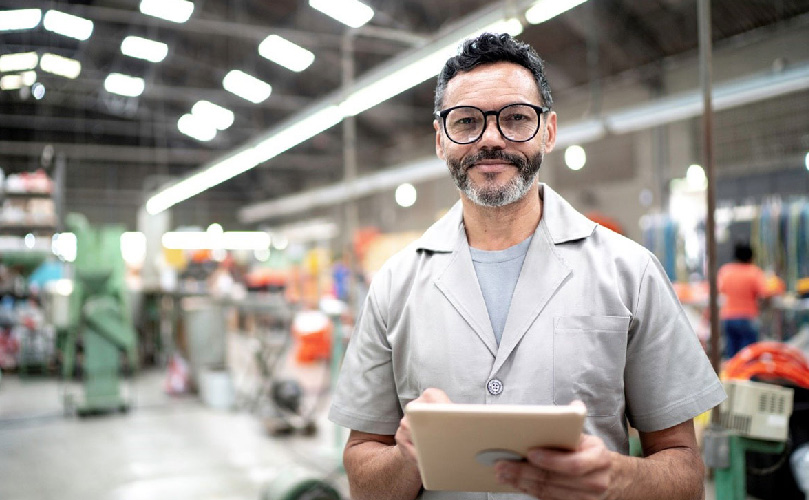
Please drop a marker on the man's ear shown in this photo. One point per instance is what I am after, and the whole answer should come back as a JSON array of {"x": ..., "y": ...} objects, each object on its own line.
[
  {"x": 439, "y": 149},
  {"x": 550, "y": 131}
]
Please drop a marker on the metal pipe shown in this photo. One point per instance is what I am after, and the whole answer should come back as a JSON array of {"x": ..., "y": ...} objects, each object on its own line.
[
  {"x": 706, "y": 81},
  {"x": 350, "y": 211}
]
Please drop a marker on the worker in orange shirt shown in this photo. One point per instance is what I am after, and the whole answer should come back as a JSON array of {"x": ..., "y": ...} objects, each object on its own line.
[{"x": 742, "y": 284}]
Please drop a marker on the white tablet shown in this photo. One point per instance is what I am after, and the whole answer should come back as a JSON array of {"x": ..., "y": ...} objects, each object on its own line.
[{"x": 458, "y": 444}]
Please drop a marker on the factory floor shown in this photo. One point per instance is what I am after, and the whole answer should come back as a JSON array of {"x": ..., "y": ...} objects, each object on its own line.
[{"x": 165, "y": 448}]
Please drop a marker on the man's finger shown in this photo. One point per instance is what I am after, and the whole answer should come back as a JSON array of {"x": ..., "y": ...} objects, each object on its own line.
[{"x": 433, "y": 395}]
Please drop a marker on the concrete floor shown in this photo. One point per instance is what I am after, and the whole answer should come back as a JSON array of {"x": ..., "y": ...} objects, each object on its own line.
[{"x": 165, "y": 448}]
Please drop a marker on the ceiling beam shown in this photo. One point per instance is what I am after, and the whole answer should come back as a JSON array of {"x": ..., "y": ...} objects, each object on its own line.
[{"x": 112, "y": 154}]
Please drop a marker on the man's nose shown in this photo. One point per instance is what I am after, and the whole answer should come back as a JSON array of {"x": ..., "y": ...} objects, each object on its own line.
[{"x": 492, "y": 137}]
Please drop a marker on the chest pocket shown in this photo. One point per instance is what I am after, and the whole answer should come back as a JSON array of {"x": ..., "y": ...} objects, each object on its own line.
[{"x": 589, "y": 354}]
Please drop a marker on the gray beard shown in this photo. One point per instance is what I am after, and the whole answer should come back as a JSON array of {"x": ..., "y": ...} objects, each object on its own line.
[{"x": 489, "y": 195}]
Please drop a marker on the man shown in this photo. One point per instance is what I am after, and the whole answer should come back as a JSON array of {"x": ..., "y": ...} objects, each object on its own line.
[{"x": 514, "y": 297}]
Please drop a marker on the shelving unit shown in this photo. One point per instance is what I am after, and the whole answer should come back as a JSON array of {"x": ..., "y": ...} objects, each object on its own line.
[{"x": 28, "y": 221}]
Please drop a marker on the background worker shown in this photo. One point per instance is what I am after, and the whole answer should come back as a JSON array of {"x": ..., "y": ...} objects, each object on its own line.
[
  {"x": 514, "y": 297},
  {"x": 742, "y": 285}
]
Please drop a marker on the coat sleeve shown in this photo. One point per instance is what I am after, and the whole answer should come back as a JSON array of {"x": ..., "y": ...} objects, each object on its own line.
[
  {"x": 668, "y": 376},
  {"x": 365, "y": 398}
]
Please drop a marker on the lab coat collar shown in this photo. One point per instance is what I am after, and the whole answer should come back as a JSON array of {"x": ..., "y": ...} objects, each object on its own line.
[{"x": 564, "y": 224}]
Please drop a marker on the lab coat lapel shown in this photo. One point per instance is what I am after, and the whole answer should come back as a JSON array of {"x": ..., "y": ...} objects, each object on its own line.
[
  {"x": 543, "y": 272},
  {"x": 459, "y": 284}
]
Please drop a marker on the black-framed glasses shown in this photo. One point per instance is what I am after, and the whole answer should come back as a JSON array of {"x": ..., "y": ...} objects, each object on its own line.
[{"x": 516, "y": 122}]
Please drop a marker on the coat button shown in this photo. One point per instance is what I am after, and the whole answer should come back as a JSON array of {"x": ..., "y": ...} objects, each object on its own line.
[{"x": 494, "y": 387}]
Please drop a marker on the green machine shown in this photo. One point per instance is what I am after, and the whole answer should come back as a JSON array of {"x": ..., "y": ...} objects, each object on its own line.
[
  {"x": 754, "y": 417},
  {"x": 99, "y": 318}
]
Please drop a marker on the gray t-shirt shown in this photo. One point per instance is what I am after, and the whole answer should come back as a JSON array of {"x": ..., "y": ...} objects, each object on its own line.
[{"x": 498, "y": 271}]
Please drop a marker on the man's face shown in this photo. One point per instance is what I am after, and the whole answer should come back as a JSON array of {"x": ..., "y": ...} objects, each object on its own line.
[{"x": 495, "y": 171}]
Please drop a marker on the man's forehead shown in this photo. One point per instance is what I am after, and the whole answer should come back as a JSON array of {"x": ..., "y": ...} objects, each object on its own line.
[{"x": 493, "y": 78}]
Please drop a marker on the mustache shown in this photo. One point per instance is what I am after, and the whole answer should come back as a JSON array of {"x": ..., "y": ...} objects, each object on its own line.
[{"x": 493, "y": 154}]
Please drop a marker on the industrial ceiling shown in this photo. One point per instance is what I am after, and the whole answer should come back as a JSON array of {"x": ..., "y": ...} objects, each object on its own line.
[{"x": 117, "y": 150}]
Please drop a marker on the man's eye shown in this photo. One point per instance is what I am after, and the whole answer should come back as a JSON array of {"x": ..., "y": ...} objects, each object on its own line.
[
  {"x": 516, "y": 117},
  {"x": 467, "y": 120}
]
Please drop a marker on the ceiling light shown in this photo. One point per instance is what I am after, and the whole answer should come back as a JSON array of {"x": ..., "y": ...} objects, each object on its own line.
[
  {"x": 143, "y": 48},
  {"x": 575, "y": 157},
  {"x": 38, "y": 91},
  {"x": 125, "y": 85},
  {"x": 195, "y": 128},
  {"x": 11, "y": 82},
  {"x": 29, "y": 78},
  {"x": 133, "y": 248},
  {"x": 543, "y": 10},
  {"x": 218, "y": 173},
  {"x": 581, "y": 131},
  {"x": 406, "y": 195},
  {"x": 289, "y": 55},
  {"x": 63, "y": 246},
  {"x": 511, "y": 26},
  {"x": 176, "y": 11},
  {"x": 205, "y": 240},
  {"x": 58, "y": 65},
  {"x": 806, "y": 161},
  {"x": 68, "y": 25},
  {"x": 206, "y": 111},
  {"x": 695, "y": 177},
  {"x": 349, "y": 12},
  {"x": 297, "y": 132},
  {"x": 21, "y": 19},
  {"x": 262, "y": 256},
  {"x": 18, "y": 62},
  {"x": 246, "y": 86}
]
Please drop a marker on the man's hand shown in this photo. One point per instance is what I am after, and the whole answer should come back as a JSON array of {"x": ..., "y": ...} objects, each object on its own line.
[
  {"x": 404, "y": 439},
  {"x": 584, "y": 473}
]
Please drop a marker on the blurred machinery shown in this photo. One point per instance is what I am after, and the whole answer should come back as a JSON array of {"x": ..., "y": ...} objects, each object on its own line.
[
  {"x": 755, "y": 420},
  {"x": 756, "y": 410},
  {"x": 98, "y": 319}
]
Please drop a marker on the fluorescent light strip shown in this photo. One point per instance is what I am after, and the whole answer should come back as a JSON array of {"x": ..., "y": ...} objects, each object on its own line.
[
  {"x": 297, "y": 132},
  {"x": 11, "y": 82},
  {"x": 199, "y": 182},
  {"x": 198, "y": 129},
  {"x": 18, "y": 62},
  {"x": 143, "y": 48},
  {"x": 125, "y": 85},
  {"x": 422, "y": 69},
  {"x": 289, "y": 55},
  {"x": 544, "y": 10},
  {"x": 206, "y": 111},
  {"x": 389, "y": 80},
  {"x": 14, "y": 82},
  {"x": 288, "y": 137},
  {"x": 176, "y": 11},
  {"x": 247, "y": 87},
  {"x": 68, "y": 25},
  {"x": 20, "y": 19},
  {"x": 61, "y": 66},
  {"x": 349, "y": 12},
  {"x": 206, "y": 240}
]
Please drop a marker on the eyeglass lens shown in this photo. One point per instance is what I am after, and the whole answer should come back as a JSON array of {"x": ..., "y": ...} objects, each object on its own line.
[{"x": 517, "y": 122}]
